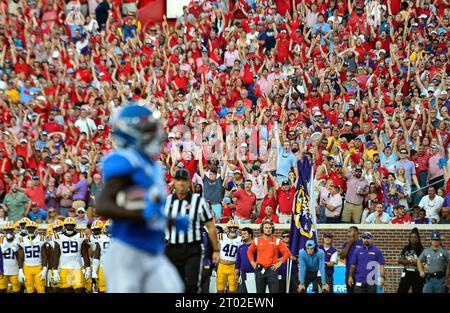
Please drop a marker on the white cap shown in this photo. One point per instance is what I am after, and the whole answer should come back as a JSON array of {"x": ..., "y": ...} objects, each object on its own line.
[
  {"x": 444, "y": 93},
  {"x": 171, "y": 135},
  {"x": 41, "y": 98},
  {"x": 382, "y": 51},
  {"x": 423, "y": 16},
  {"x": 348, "y": 123},
  {"x": 244, "y": 145},
  {"x": 55, "y": 54},
  {"x": 317, "y": 113}
]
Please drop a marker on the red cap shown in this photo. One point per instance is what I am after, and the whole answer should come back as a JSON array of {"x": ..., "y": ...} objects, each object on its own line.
[{"x": 389, "y": 110}]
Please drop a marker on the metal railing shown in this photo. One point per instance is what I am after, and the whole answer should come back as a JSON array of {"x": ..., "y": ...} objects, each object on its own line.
[
  {"x": 426, "y": 187},
  {"x": 393, "y": 274}
]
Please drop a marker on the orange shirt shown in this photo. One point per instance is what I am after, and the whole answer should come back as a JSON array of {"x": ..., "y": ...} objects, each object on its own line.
[{"x": 268, "y": 250}]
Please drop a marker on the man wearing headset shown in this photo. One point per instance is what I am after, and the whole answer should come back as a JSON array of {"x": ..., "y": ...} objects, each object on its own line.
[{"x": 267, "y": 248}]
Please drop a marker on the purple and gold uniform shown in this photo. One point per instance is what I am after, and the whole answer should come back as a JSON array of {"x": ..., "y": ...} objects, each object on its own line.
[
  {"x": 367, "y": 261},
  {"x": 331, "y": 255},
  {"x": 356, "y": 245}
]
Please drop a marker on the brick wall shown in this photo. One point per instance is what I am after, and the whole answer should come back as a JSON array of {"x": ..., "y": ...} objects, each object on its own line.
[{"x": 390, "y": 239}]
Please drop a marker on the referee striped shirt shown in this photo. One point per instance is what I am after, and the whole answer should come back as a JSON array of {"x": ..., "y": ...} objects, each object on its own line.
[{"x": 194, "y": 206}]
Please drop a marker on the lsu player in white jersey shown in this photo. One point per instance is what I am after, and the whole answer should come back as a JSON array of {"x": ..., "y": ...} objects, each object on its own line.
[
  {"x": 9, "y": 248},
  {"x": 99, "y": 244},
  {"x": 70, "y": 247},
  {"x": 32, "y": 257},
  {"x": 229, "y": 245},
  {"x": 21, "y": 230}
]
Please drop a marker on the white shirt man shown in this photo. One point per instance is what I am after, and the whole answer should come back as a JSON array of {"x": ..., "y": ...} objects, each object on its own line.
[
  {"x": 432, "y": 203},
  {"x": 333, "y": 205},
  {"x": 85, "y": 124}
]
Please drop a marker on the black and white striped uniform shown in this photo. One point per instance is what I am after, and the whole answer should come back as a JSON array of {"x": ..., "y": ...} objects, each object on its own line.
[{"x": 184, "y": 249}]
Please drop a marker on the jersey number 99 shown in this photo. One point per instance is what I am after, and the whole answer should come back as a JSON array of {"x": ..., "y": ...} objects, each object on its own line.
[{"x": 69, "y": 247}]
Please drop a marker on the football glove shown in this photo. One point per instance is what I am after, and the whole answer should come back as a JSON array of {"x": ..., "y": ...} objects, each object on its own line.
[
  {"x": 56, "y": 277},
  {"x": 87, "y": 273},
  {"x": 21, "y": 275},
  {"x": 43, "y": 273}
]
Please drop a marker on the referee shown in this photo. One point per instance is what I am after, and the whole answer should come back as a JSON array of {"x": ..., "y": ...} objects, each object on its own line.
[{"x": 184, "y": 249}]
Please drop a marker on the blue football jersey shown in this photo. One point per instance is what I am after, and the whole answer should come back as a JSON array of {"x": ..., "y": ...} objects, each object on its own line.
[{"x": 149, "y": 235}]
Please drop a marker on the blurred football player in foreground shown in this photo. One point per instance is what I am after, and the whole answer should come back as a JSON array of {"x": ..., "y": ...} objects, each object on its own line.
[{"x": 134, "y": 198}]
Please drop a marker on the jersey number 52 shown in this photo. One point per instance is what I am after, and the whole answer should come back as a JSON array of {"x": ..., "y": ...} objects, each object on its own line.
[{"x": 32, "y": 252}]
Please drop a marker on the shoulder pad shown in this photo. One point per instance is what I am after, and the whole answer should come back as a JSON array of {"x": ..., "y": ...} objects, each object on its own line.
[{"x": 119, "y": 163}]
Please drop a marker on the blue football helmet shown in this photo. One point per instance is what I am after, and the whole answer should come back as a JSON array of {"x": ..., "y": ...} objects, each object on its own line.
[{"x": 135, "y": 126}]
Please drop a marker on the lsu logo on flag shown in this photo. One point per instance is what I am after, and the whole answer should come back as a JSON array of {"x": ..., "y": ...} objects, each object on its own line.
[
  {"x": 303, "y": 222},
  {"x": 302, "y": 214}
]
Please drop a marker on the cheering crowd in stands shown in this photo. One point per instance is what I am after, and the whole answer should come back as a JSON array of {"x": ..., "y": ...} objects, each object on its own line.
[{"x": 248, "y": 91}]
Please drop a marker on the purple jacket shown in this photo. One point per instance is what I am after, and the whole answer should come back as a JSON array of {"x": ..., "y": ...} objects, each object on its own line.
[
  {"x": 328, "y": 254},
  {"x": 242, "y": 261}
]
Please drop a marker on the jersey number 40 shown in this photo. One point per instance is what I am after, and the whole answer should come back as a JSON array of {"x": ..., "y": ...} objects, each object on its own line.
[{"x": 230, "y": 250}]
